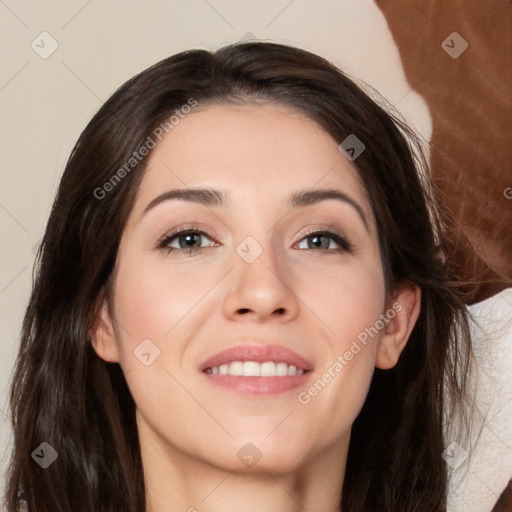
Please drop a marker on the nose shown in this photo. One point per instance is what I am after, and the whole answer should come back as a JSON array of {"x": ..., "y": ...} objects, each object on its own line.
[{"x": 261, "y": 290}]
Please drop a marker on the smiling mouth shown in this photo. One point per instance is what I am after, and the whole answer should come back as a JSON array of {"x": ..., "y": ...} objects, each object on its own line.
[{"x": 256, "y": 369}]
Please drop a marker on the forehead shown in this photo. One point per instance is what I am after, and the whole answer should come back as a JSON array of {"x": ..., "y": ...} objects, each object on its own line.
[{"x": 267, "y": 151}]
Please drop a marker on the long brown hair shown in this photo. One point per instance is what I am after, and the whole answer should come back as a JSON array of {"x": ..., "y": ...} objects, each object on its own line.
[{"x": 64, "y": 394}]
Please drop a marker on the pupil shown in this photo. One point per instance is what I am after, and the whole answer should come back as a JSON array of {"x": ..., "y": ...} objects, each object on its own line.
[
  {"x": 189, "y": 238},
  {"x": 315, "y": 240}
]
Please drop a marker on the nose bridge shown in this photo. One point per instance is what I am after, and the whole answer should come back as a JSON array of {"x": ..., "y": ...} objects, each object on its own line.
[
  {"x": 260, "y": 279},
  {"x": 259, "y": 262}
]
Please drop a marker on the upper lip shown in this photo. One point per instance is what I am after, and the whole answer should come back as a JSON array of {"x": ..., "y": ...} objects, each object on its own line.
[{"x": 259, "y": 353}]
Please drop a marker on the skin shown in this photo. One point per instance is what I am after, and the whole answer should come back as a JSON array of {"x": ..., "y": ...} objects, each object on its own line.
[{"x": 314, "y": 301}]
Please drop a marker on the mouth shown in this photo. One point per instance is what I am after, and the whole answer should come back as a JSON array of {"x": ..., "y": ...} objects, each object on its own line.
[{"x": 257, "y": 369}]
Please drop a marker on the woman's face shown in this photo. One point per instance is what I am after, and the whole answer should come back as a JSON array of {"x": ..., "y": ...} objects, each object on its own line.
[{"x": 258, "y": 284}]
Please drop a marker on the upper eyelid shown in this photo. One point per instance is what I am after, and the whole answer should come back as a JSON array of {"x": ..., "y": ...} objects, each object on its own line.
[
  {"x": 183, "y": 231},
  {"x": 329, "y": 231}
]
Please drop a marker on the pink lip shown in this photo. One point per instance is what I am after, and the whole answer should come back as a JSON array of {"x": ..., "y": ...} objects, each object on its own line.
[
  {"x": 258, "y": 386},
  {"x": 258, "y": 353}
]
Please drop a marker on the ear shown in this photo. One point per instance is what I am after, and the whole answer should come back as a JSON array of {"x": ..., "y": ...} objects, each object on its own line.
[
  {"x": 402, "y": 312},
  {"x": 102, "y": 334}
]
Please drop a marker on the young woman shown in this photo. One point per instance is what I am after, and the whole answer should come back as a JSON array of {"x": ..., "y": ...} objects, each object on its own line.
[{"x": 242, "y": 302}]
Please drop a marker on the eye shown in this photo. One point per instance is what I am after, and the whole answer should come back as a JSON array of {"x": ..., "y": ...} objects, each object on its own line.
[
  {"x": 323, "y": 240},
  {"x": 189, "y": 241},
  {"x": 184, "y": 240}
]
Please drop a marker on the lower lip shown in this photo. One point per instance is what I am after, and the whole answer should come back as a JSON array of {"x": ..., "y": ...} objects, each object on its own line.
[{"x": 258, "y": 386}]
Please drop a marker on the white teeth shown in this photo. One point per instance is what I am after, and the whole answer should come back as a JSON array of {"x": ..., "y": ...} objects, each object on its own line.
[
  {"x": 255, "y": 369},
  {"x": 268, "y": 369},
  {"x": 251, "y": 369},
  {"x": 236, "y": 368},
  {"x": 281, "y": 369}
]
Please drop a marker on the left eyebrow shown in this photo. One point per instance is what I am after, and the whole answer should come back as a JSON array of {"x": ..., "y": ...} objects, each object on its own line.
[
  {"x": 217, "y": 198},
  {"x": 308, "y": 197}
]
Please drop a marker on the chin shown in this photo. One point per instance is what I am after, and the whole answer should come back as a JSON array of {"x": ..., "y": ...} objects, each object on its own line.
[{"x": 257, "y": 454}]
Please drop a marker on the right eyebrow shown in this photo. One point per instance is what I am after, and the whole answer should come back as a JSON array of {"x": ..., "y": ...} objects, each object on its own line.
[{"x": 205, "y": 196}]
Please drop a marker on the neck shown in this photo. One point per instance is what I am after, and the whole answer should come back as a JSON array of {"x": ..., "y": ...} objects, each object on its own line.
[{"x": 175, "y": 481}]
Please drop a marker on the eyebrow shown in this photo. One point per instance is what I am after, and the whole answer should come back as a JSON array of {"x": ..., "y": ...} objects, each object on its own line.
[{"x": 217, "y": 198}]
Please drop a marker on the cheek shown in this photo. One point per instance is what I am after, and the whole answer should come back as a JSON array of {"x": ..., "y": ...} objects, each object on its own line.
[
  {"x": 345, "y": 302},
  {"x": 348, "y": 306},
  {"x": 154, "y": 299}
]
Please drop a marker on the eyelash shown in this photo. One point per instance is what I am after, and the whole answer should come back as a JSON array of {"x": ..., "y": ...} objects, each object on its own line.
[
  {"x": 167, "y": 239},
  {"x": 341, "y": 240}
]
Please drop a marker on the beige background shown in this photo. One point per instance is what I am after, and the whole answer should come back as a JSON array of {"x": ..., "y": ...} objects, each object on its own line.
[{"x": 46, "y": 100}]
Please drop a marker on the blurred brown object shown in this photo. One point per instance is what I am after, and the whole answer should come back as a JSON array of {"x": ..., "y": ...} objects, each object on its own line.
[
  {"x": 504, "y": 504},
  {"x": 469, "y": 93}
]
